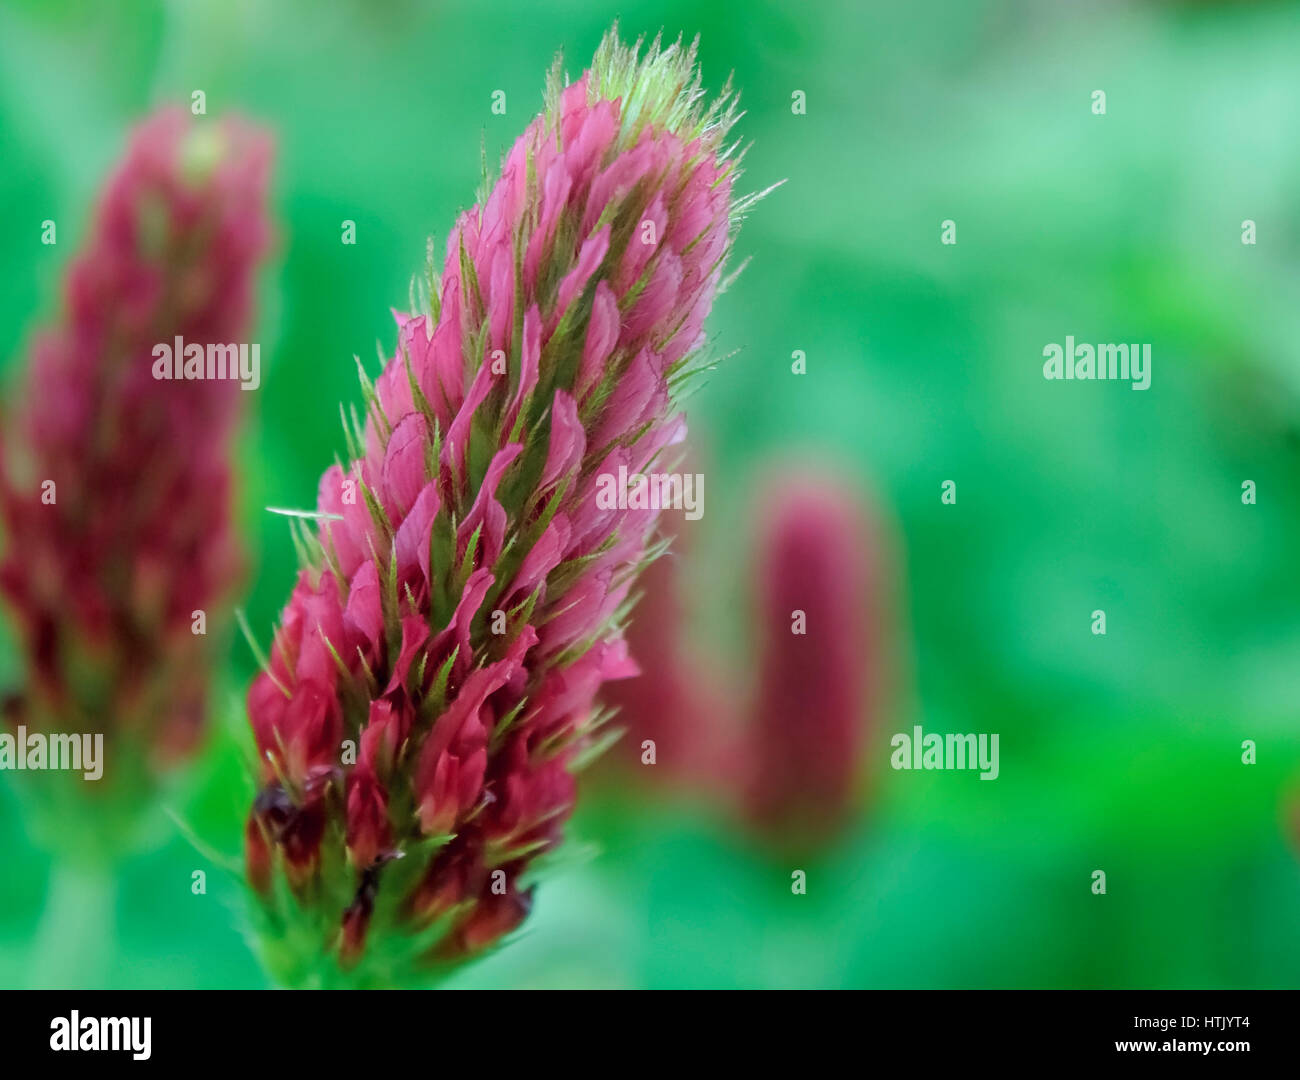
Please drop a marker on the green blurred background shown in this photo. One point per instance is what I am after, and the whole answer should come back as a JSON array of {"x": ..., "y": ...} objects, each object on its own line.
[{"x": 1120, "y": 753}]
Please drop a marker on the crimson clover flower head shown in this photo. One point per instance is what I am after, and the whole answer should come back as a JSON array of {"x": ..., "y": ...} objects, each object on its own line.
[
  {"x": 463, "y": 597},
  {"x": 115, "y": 487}
]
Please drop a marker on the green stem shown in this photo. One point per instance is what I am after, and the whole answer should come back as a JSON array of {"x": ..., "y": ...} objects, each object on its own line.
[{"x": 76, "y": 939}]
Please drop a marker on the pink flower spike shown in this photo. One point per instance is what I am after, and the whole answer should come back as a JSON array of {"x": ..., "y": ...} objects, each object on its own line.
[{"x": 493, "y": 585}]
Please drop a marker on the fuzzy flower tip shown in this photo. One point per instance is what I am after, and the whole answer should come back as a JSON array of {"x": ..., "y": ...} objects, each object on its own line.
[
  {"x": 114, "y": 486},
  {"x": 431, "y": 687}
]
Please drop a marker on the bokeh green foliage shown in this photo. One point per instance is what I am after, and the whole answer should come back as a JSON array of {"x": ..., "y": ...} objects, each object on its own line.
[{"x": 1119, "y": 753}]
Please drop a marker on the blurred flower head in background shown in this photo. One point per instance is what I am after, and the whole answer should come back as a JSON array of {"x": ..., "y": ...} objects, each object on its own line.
[
  {"x": 782, "y": 741},
  {"x": 116, "y": 488},
  {"x": 817, "y": 672},
  {"x": 678, "y": 713}
]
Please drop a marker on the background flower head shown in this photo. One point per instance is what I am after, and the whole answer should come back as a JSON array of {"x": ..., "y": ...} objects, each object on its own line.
[{"x": 115, "y": 491}]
